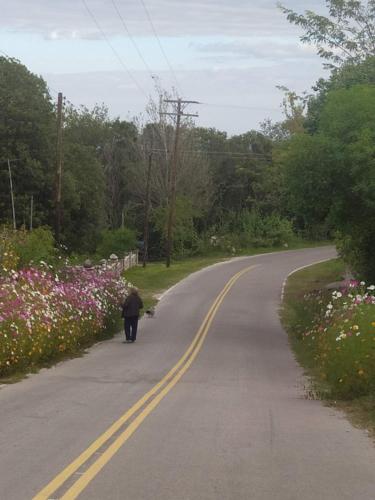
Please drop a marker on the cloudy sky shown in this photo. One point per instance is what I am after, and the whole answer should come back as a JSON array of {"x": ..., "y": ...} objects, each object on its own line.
[{"x": 227, "y": 54}]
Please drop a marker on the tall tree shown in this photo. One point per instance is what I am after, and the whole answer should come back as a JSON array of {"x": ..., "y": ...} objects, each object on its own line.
[
  {"x": 346, "y": 34},
  {"x": 331, "y": 174},
  {"x": 27, "y": 134}
]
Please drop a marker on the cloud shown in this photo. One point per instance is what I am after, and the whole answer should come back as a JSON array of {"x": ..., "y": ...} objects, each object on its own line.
[
  {"x": 69, "y": 18},
  {"x": 237, "y": 99},
  {"x": 265, "y": 49},
  {"x": 231, "y": 52}
]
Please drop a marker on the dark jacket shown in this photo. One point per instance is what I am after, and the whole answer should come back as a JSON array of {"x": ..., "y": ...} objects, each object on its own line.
[{"x": 133, "y": 303}]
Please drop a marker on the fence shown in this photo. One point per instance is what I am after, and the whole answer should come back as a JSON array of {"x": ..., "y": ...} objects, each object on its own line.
[{"x": 115, "y": 263}]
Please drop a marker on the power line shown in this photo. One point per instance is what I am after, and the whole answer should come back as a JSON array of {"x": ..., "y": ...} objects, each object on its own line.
[
  {"x": 255, "y": 156},
  {"x": 161, "y": 46},
  {"x": 117, "y": 55},
  {"x": 237, "y": 106},
  {"x": 135, "y": 45}
]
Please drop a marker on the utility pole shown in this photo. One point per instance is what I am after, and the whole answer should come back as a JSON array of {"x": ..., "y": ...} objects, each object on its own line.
[
  {"x": 31, "y": 212},
  {"x": 173, "y": 174},
  {"x": 147, "y": 210},
  {"x": 59, "y": 164},
  {"x": 12, "y": 195}
]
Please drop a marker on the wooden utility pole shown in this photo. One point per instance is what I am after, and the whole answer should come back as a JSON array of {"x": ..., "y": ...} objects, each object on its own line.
[
  {"x": 173, "y": 174},
  {"x": 59, "y": 165},
  {"x": 12, "y": 195},
  {"x": 31, "y": 212},
  {"x": 147, "y": 210}
]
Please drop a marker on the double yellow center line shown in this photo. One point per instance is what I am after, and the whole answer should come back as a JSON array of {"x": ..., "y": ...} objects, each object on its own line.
[{"x": 148, "y": 402}]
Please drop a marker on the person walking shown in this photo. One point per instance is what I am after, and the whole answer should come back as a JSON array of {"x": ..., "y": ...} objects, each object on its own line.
[{"x": 130, "y": 312}]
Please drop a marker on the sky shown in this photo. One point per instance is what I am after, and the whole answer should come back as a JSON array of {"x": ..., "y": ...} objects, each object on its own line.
[{"x": 230, "y": 55}]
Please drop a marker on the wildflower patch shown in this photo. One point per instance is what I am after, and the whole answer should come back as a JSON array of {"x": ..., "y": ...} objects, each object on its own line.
[
  {"x": 337, "y": 338},
  {"x": 43, "y": 314}
]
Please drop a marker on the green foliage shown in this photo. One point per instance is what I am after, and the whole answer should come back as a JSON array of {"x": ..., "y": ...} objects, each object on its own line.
[
  {"x": 250, "y": 229},
  {"x": 185, "y": 239},
  {"x": 345, "y": 77},
  {"x": 349, "y": 119},
  {"x": 35, "y": 246},
  {"x": 331, "y": 174},
  {"x": 346, "y": 34},
  {"x": 357, "y": 248},
  {"x": 105, "y": 171},
  {"x": 267, "y": 231},
  {"x": 83, "y": 198},
  {"x": 27, "y": 132},
  {"x": 118, "y": 242},
  {"x": 311, "y": 165},
  {"x": 19, "y": 249}
]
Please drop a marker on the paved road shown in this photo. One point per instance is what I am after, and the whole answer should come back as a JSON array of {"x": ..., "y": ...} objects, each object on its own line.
[{"x": 234, "y": 425}]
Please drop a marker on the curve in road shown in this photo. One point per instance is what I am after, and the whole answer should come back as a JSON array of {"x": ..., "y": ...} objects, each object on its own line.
[{"x": 235, "y": 426}]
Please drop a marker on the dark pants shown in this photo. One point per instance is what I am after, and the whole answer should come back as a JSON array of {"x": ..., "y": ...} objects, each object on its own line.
[{"x": 131, "y": 325}]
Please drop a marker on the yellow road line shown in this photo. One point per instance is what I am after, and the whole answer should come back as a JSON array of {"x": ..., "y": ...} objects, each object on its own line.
[
  {"x": 81, "y": 459},
  {"x": 93, "y": 470}
]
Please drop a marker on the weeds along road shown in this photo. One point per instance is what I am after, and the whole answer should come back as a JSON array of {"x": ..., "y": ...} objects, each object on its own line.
[{"x": 208, "y": 404}]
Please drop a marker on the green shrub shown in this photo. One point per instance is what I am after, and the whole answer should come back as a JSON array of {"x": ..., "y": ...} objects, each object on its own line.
[
  {"x": 22, "y": 248},
  {"x": 35, "y": 246},
  {"x": 358, "y": 252},
  {"x": 265, "y": 231},
  {"x": 118, "y": 241}
]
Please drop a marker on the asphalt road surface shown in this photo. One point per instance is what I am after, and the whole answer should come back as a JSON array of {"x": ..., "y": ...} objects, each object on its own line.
[{"x": 230, "y": 421}]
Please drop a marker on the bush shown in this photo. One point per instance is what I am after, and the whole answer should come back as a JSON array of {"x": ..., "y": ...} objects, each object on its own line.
[
  {"x": 118, "y": 241},
  {"x": 35, "y": 246},
  {"x": 267, "y": 231},
  {"x": 358, "y": 252},
  {"x": 23, "y": 248}
]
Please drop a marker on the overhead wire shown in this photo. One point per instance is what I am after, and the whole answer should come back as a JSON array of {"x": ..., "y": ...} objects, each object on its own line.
[
  {"x": 178, "y": 87},
  {"x": 239, "y": 154},
  {"x": 237, "y": 106},
  {"x": 116, "y": 54},
  {"x": 131, "y": 38}
]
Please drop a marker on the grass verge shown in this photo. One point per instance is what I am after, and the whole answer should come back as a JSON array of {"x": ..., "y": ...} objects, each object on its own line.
[{"x": 331, "y": 365}]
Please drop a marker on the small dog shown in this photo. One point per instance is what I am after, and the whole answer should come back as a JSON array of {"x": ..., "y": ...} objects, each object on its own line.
[{"x": 150, "y": 312}]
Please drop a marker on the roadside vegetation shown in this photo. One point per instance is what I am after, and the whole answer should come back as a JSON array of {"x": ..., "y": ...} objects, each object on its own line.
[
  {"x": 47, "y": 313},
  {"x": 332, "y": 331},
  {"x": 308, "y": 177},
  {"x": 51, "y": 311}
]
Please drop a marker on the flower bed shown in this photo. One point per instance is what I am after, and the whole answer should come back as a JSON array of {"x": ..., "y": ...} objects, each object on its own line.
[
  {"x": 341, "y": 339},
  {"x": 43, "y": 315}
]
